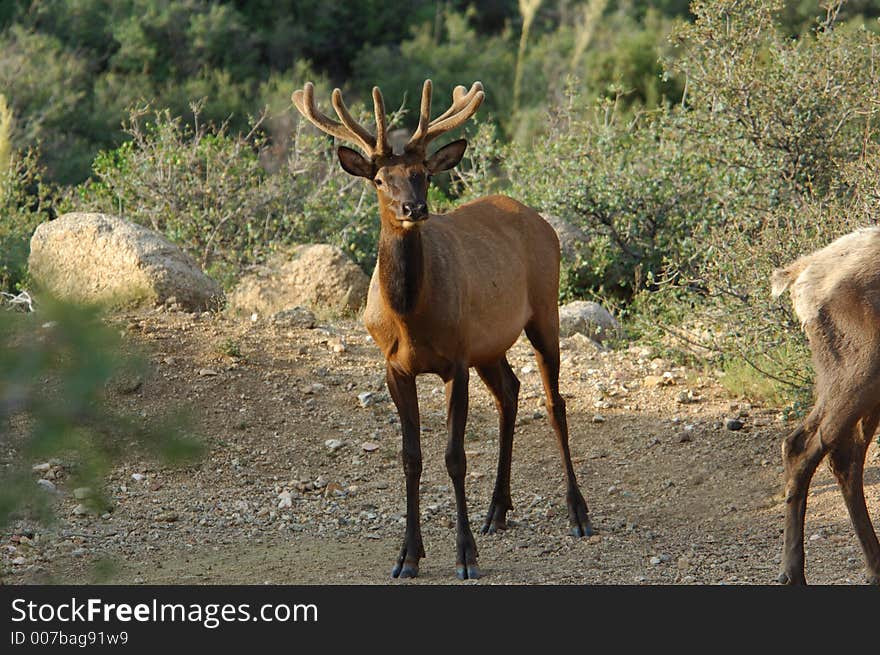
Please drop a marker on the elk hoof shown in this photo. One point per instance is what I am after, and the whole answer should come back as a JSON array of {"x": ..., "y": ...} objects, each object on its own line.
[
  {"x": 791, "y": 579},
  {"x": 579, "y": 517},
  {"x": 407, "y": 565},
  {"x": 466, "y": 564},
  {"x": 405, "y": 570},
  {"x": 496, "y": 519},
  {"x": 582, "y": 530},
  {"x": 469, "y": 572}
]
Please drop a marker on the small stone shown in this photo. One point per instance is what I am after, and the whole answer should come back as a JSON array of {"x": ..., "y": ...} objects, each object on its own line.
[
  {"x": 285, "y": 500},
  {"x": 598, "y": 418},
  {"x": 685, "y": 436},
  {"x": 48, "y": 485},
  {"x": 138, "y": 477},
  {"x": 295, "y": 317},
  {"x": 80, "y": 510},
  {"x": 366, "y": 398},
  {"x": 41, "y": 468},
  {"x": 369, "y": 446},
  {"x": 207, "y": 372},
  {"x": 18, "y": 561},
  {"x": 683, "y": 563},
  {"x": 333, "y": 489},
  {"x": 734, "y": 424},
  {"x": 81, "y": 493},
  {"x": 334, "y": 444},
  {"x": 167, "y": 517}
]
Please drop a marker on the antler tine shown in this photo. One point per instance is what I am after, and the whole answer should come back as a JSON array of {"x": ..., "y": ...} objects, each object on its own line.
[
  {"x": 464, "y": 104},
  {"x": 305, "y": 103},
  {"x": 460, "y": 97},
  {"x": 453, "y": 121},
  {"x": 382, "y": 147},
  {"x": 367, "y": 140},
  {"x": 424, "y": 116}
]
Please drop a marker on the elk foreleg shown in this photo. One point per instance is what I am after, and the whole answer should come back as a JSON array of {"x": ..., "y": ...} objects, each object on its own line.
[
  {"x": 403, "y": 391},
  {"x": 456, "y": 463}
]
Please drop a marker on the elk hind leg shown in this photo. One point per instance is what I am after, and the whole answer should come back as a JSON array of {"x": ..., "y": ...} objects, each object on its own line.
[
  {"x": 544, "y": 336},
  {"x": 504, "y": 385},
  {"x": 847, "y": 461}
]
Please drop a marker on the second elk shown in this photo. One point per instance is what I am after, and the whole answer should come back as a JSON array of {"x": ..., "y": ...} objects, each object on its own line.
[{"x": 836, "y": 295}]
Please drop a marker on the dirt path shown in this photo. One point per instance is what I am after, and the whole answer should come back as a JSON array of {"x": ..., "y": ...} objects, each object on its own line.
[{"x": 674, "y": 495}]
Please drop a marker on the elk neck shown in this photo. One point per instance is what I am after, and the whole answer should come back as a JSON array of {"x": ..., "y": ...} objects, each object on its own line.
[{"x": 401, "y": 264}]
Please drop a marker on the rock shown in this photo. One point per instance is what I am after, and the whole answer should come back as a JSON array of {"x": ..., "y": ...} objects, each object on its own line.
[
  {"x": 48, "y": 485},
  {"x": 102, "y": 258},
  {"x": 572, "y": 239},
  {"x": 167, "y": 517},
  {"x": 81, "y": 493},
  {"x": 578, "y": 341},
  {"x": 81, "y": 510},
  {"x": 366, "y": 398},
  {"x": 334, "y": 444},
  {"x": 598, "y": 418},
  {"x": 587, "y": 318},
  {"x": 319, "y": 276},
  {"x": 285, "y": 499},
  {"x": 369, "y": 446},
  {"x": 299, "y": 317},
  {"x": 655, "y": 561},
  {"x": 653, "y": 381},
  {"x": 41, "y": 468},
  {"x": 734, "y": 424},
  {"x": 137, "y": 477},
  {"x": 207, "y": 372}
]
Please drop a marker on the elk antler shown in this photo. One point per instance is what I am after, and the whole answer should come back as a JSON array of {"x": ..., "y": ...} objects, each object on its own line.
[
  {"x": 464, "y": 105},
  {"x": 349, "y": 129}
]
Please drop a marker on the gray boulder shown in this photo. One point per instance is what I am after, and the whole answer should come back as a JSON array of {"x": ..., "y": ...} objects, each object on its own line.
[
  {"x": 104, "y": 259},
  {"x": 572, "y": 239},
  {"x": 587, "y": 318},
  {"x": 317, "y": 276}
]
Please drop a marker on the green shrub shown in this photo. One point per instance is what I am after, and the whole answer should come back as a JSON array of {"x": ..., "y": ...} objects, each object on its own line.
[
  {"x": 24, "y": 203},
  {"x": 787, "y": 124},
  {"x": 638, "y": 191}
]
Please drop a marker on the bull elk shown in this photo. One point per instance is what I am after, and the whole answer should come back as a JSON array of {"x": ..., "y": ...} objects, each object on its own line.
[
  {"x": 836, "y": 295},
  {"x": 450, "y": 292}
]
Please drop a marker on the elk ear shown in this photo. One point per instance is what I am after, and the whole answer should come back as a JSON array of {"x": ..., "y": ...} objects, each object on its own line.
[
  {"x": 354, "y": 163},
  {"x": 447, "y": 157}
]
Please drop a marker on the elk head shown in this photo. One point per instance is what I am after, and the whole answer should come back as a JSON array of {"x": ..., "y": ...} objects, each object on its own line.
[{"x": 401, "y": 179}]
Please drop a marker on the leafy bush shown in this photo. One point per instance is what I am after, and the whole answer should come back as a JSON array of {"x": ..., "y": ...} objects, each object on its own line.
[
  {"x": 639, "y": 193},
  {"x": 788, "y": 124},
  {"x": 24, "y": 203}
]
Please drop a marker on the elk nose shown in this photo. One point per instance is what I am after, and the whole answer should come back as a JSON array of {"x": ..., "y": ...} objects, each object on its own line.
[{"x": 416, "y": 210}]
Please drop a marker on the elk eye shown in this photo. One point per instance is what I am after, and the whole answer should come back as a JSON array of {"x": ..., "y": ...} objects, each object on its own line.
[{"x": 378, "y": 182}]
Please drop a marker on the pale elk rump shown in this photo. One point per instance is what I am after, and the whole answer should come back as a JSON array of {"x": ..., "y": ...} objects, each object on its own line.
[
  {"x": 836, "y": 295},
  {"x": 451, "y": 292}
]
